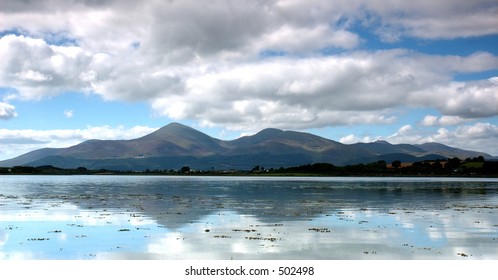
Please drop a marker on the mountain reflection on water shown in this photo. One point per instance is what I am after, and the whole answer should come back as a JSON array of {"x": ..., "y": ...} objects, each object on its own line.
[{"x": 155, "y": 217}]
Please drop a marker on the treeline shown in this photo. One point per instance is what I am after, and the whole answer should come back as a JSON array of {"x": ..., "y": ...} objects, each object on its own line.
[
  {"x": 52, "y": 170},
  {"x": 444, "y": 167},
  {"x": 46, "y": 170}
]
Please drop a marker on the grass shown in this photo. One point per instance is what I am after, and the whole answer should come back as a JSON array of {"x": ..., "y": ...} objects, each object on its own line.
[{"x": 472, "y": 164}]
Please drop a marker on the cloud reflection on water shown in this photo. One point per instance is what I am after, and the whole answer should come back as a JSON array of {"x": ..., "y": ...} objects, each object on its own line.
[{"x": 248, "y": 220}]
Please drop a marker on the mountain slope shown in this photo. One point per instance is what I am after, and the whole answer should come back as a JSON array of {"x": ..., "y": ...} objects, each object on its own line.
[
  {"x": 29, "y": 157},
  {"x": 447, "y": 151},
  {"x": 171, "y": 140},
  {"x": 176, "y": 145},
  {"x": 177, "y": 139},
  {"x": 277, "y": 141},
  {"x": 302, "y": 147},
  {"x": 384, "y": 147},
  {"x": 380, "y": 148}
]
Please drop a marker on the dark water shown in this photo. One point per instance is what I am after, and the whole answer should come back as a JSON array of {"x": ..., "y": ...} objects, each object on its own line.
[{"x": 149, "y": 217}]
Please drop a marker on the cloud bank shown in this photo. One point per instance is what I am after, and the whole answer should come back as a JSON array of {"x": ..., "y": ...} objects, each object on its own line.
[{"x": 247, "y": 65}]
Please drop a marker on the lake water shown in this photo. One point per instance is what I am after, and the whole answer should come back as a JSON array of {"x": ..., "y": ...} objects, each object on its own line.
[{"x": 160, "y": 217}]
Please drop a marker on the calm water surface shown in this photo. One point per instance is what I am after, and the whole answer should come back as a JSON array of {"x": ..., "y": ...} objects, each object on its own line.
[{"x": 156, "y": 217}]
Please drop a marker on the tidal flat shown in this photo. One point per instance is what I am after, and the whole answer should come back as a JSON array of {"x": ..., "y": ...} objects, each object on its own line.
[{"x": 218, "y": 218}]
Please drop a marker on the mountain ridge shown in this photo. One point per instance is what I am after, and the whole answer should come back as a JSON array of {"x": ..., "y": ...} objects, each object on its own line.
[{"x": 175, "y": 145}]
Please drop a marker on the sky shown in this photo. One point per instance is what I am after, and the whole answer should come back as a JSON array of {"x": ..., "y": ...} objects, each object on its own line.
[{"x": 348, "y": 70}]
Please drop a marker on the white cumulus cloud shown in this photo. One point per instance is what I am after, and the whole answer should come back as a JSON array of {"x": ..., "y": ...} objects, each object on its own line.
[
  {"x": 431, "y": 120},
  {"x": 471, "y": 99},
  {"x": 7, "y": 110},
  {"x": 212, "y": 63}
]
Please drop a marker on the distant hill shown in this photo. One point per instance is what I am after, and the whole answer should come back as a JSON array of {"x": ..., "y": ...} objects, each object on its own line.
[
  {"x": 176, "y": 145},
  {"x": 449, "y": 152},
  {"x": 388, "y": 158},
  {"x": 384, "y": 150},
  {"x": 384, "y": 147}
]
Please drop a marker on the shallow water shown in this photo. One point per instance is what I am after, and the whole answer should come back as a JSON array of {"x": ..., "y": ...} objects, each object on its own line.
[{"x": 157, "y": 217}]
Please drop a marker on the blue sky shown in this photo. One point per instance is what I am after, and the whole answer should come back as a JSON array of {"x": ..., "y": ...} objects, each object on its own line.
[{"x": 351, "y": 71}]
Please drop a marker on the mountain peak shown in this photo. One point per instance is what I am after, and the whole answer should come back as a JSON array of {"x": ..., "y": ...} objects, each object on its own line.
[
  {"x": 189, "y": 140},
  {"x": 173, "y": 129},
  {"x": 176, "y": 126},
  {"x": 268, "y": 132}
]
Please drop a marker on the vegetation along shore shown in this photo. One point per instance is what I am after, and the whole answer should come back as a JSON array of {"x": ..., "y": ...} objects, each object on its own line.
[{"x": 477, "y": 166}]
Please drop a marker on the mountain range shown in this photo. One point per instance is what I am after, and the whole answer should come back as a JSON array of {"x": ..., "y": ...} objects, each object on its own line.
[{"x": 175, "y": 145}]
